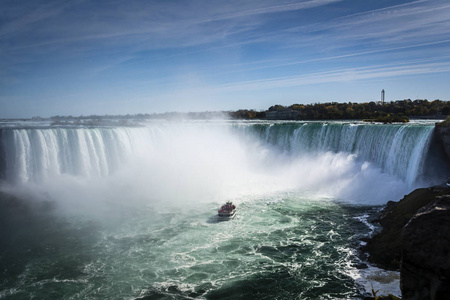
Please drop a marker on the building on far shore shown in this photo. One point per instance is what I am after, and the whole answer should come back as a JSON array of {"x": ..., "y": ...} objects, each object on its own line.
[{"x": 382, "y": 96}]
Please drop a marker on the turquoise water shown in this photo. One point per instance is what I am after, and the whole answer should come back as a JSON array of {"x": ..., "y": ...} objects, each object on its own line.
[
  {"x": 130, "y": 213},
  {"x": 284, "y": 246}
]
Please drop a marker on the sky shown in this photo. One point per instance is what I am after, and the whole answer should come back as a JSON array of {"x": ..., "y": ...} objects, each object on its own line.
[{"x": 81, "y": 57}]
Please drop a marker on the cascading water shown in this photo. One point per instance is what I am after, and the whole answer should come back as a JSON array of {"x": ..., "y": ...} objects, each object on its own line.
[
  {"x": 34, "y": 154},
  {"x": 132, "y": 208},
  {"x": 397, "y": 149}
]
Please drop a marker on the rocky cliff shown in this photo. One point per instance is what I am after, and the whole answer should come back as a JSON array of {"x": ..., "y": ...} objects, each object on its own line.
[
  {"x": 415, "y": 239},
  {"x": 442, "y": 135},
  {"x": 385, "y": 248},
  {"x": 425, "y": 265}
]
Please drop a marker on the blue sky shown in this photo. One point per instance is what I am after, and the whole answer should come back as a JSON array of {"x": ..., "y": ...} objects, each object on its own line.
[{"x": 82, "y": 57}]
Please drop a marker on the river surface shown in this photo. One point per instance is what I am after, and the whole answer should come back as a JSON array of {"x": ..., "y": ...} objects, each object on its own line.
[{"x": 130, "y": 213}]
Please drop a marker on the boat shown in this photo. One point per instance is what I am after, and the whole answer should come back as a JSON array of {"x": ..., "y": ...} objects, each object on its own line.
[{"x": 227, "y": 211}]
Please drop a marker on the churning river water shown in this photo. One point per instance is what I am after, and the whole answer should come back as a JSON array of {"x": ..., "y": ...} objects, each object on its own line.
[{"x": 130, "y": 212}]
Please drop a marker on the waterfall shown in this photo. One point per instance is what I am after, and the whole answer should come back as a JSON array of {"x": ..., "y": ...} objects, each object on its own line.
[
  {"x": 36, "y": 154},
  {"x": 398, "y": 150},
  {"x": 39, "y": 154}
]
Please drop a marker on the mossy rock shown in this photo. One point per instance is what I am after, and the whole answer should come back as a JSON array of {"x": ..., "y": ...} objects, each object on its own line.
[{"x": 445, "y": 123}]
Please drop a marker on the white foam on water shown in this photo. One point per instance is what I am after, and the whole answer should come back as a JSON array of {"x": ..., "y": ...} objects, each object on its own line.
[{"x": 383, "y": 282}]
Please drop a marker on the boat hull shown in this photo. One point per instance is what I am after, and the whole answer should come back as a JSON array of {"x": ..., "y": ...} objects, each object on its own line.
[{"x": 226, "y": 216}]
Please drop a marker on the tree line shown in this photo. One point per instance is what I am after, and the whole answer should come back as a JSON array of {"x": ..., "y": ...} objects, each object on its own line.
[{"x": 394, "y": 111}]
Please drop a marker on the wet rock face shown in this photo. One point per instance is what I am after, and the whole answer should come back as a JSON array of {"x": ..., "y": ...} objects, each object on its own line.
[
  {"x": 385, "y": 248},
  {"x": 443, "y": 136},
  {"x": 425, "y": 267}
]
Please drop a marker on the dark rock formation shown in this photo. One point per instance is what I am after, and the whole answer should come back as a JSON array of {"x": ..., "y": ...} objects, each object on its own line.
[
  {"x": 425, "y": 267},
  {"x": 442, "y": 135},
  {"x": 2, "y": 156},
  {"x": 385, "y": 248},
  {"x": 415, "y": 239}
]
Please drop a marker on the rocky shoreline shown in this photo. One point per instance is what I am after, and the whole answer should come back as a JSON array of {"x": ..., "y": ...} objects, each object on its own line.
[
  {"x": 415, "y": 240},
  {"x": 385, "y": 247}
]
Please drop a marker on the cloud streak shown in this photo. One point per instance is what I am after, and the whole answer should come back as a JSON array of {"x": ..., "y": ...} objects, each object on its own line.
[
  {"x": 270, "y": 9},
  {"x": 341, "y": 75}
]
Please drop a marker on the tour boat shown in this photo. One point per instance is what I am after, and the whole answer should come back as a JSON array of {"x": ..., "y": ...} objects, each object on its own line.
[{"x": 227, "y": 211}]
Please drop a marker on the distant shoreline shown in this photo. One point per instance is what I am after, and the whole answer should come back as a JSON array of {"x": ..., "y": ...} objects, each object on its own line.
[{"x": 394, "y": 111}]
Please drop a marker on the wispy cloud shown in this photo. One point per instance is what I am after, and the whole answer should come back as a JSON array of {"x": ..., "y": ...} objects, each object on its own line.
[
  {"x": 419, "y": 21},
  {"x": 73, "y": 29},
  {"x": 149, "y": 24},
  {"x": 340, "y": 75},
  {"x": 227, "y": 45},
  {"x": 22, "y": 18},
  {"x": 239, "y": 13}
]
